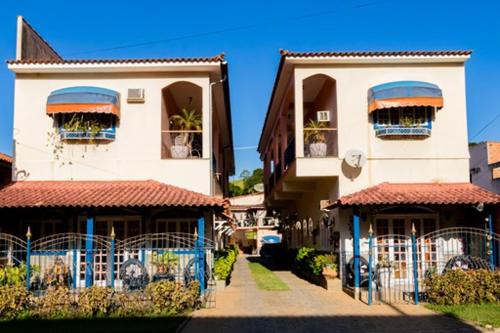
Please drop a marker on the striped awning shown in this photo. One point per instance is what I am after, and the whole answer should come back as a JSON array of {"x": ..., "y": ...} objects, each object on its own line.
[
  {"x": 84, "y": 100},
  {"x": 404, "y": 93}
]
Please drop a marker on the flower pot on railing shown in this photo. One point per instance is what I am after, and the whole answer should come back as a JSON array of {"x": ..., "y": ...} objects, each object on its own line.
[
  {"x": 317, "y": 149},
  {"x": 180, "y": 148}
]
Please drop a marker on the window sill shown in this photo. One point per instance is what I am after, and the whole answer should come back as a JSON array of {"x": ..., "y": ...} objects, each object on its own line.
[{"x": 106, "y": 135}]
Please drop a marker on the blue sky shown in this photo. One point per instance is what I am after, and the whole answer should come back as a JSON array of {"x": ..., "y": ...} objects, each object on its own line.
[{"x": 252, "y": 32}]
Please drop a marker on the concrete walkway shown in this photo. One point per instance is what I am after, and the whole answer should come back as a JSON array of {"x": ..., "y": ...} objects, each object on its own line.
[{"x": 242, "y": 308}]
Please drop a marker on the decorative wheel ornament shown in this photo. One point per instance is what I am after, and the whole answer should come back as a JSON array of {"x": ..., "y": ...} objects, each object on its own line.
[{"x": 133, "y": 275}]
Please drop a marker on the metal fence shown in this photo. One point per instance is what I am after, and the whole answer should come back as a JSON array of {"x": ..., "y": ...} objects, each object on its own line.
[
  {"x": 78, "y": 260},
  {"x": 396, "y": 266}
]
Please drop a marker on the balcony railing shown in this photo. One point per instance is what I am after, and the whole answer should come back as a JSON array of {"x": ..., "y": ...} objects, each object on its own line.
[
  {"x": 261, "y": 222},
  {"x": 320, "y": 142},
  {"x": 399, "y": 131},
  {"x": 181, "y": 144},
  {"x": 108, "y": 134}
]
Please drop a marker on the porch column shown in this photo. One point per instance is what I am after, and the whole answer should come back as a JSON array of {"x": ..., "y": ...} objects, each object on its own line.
[
  {"x": 356, "y": 252},
  {"x": 89, "y": 256},
  {"x": 200, "y": 248}
]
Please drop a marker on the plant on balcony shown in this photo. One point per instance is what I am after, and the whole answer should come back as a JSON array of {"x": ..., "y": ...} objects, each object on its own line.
[
  {"x": 315, "y": 135},
  {"x": 86, "y": 124},
  {"x": 188, "y": 120}
]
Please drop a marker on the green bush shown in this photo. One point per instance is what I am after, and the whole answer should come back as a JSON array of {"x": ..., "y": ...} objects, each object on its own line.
[
  {"x": 14, "y": 301},
  {"x": 130, "y": 304},
  {"x": 168, "y": 297},
  {"x": 224, "y": 262},
  {"x": 56, "y": 303},
  {"x": 95, "y": 301},
  {"x": 320, "y": 261},
  {"x": 464, "y": 287}
]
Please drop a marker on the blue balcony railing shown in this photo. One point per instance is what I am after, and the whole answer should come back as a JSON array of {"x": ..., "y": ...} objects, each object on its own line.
[
  {"x": 396, "y": 131},
  {"x": 108, "y": 134}
]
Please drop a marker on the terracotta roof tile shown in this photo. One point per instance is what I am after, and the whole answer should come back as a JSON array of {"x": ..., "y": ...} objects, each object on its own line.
[
  {"x": 346, "y": 54},
  {"x": 217, "y": 58},
  {"x": 6, "y": 158},
  {"x": 419, "y": 194},
  {"x": 148, "y": 193}
]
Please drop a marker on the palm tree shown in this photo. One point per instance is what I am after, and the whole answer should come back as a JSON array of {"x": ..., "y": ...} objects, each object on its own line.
[{"x": 188, "y": 120}]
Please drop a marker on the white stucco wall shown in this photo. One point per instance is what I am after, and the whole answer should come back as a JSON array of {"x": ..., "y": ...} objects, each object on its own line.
[
  {"x": 479, "y": 161},
  {"x": 136, "y": 152},
  {"x": 443, "y": 157}
]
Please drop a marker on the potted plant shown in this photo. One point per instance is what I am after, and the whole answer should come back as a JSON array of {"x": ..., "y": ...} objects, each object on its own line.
[
  {"x": 188, "y": 120},
  {"x": 165, "y": 265},
  {"x": 315, "y": 136},
  {"x": 384, "y": 266},
  {"x": 88, "y": 125}
]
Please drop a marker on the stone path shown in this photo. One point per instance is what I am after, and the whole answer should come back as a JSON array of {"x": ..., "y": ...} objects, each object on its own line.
[{"x": 242, "y": 308}]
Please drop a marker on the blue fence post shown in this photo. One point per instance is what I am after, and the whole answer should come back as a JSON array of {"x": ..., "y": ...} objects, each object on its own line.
[
  {"x": 356, "y": 253},
  {"x": 491, "y": 247},
  {"x": 370, "y": 263},
  {"x": 415, "y": 263},
  {"x": 112, "y": 258},
  {"x": 75, "y": 261},
  {"x": 89, "y": 255},
  {"x": 28, "y": 259},
  {"x": 201, "y": 254}
]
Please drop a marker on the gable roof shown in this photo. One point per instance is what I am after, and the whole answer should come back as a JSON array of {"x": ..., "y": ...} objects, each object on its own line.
[
  {"x": 418, "y": 194},
  {"x": 103, "y": 194}
]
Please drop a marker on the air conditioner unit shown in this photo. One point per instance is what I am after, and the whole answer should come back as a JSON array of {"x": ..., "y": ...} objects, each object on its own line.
[
  {"x": 135, "y": 95},
  {"x": 323, "y": 116}
]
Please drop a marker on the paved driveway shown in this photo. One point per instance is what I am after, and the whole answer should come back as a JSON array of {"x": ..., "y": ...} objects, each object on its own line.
[{"x": 242, "y": 308}]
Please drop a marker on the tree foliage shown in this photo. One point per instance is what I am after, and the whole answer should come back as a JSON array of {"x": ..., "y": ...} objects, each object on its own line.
[{"x": 246, "y": 184}]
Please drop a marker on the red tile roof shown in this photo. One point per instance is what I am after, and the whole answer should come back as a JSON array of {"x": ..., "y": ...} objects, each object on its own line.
[
  {"x": 347, "y": 54},
  {"x": 99, "y": 194},
  {"x": 217, "y": 58},
  {"x": 6, "y": 158},
  {"x": 419, "y": 194}
]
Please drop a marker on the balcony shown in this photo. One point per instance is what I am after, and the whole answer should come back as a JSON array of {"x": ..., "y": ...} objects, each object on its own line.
[
  {"x": 269, "y": 222},
  {"x": 403, "y": 132},
  {"x": 108, "y": 134}
]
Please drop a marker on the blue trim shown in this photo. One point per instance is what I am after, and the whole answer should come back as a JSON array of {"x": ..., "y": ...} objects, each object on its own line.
[
  {"x": 28, "y": 263},
  {"x": 415, "y": 266},
  {"x": 370, "y": 269},
  {"x": 491, "y": 253},
  {"x": 85, "y": 89},
  {"x": 89, "y": 255},
  {"x": 105, "y": 134},
  {"x": 356, "y": 249},
  {"x": 75, "y": 268},
  {"x": 395, "y": 84},
  {"x": 200, "y": 244},
  {"x": 112, "y": 263}
]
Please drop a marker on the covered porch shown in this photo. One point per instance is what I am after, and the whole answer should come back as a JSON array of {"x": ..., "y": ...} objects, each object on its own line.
[
  {"x": 398, "y": 234},
  {"x": 122, "y": 234}
]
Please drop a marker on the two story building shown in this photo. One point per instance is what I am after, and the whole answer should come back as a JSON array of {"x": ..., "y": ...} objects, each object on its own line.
[
  {"x": 359, "y": 142},
  {"x": 116, "y": 147}
]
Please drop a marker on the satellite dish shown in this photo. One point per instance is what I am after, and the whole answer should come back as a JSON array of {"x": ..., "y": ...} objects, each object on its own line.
[
  {"x": 355, "y": 158},
  {"x": 259, "y": 187}
]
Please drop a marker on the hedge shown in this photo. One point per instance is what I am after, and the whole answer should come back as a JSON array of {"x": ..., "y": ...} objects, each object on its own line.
[
  {"x": 159, "y": 298},
  {"x": 456, "y": 287},
  {"x": 224, "y": 262}
]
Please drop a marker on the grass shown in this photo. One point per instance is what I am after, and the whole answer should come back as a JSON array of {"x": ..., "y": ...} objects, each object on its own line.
[
  {"x": 482, "y": 314},
  {"x": 265, "y": 279},
  {"x": 108, "y": 325}
]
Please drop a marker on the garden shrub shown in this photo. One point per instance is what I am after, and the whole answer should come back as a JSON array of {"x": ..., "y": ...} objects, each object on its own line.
[
  {"x": 308, "y": 260},
  {"x": 14, "y": 301},
  {"x": 130, "y": 304},
  {"x": 56, "y": 303},
  {"x": 464, "y": 287},
  {"x": 95, "y": 301},
  {"x": 224, "y": 262},
  {"x": 13, "y": 275},
  {"x": 169, "y": 297}
]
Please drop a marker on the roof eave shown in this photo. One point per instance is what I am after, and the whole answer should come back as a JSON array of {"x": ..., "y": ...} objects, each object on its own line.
[
  {"x": 208, "y": 66},
  {"x": 376, "y": 59}
]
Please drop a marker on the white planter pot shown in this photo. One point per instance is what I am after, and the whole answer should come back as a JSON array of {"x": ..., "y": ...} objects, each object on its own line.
[
  {"x": 317, "y": 149},
  {"x": 384, "y": 275},
  {"x": 179, "y": 151}
]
